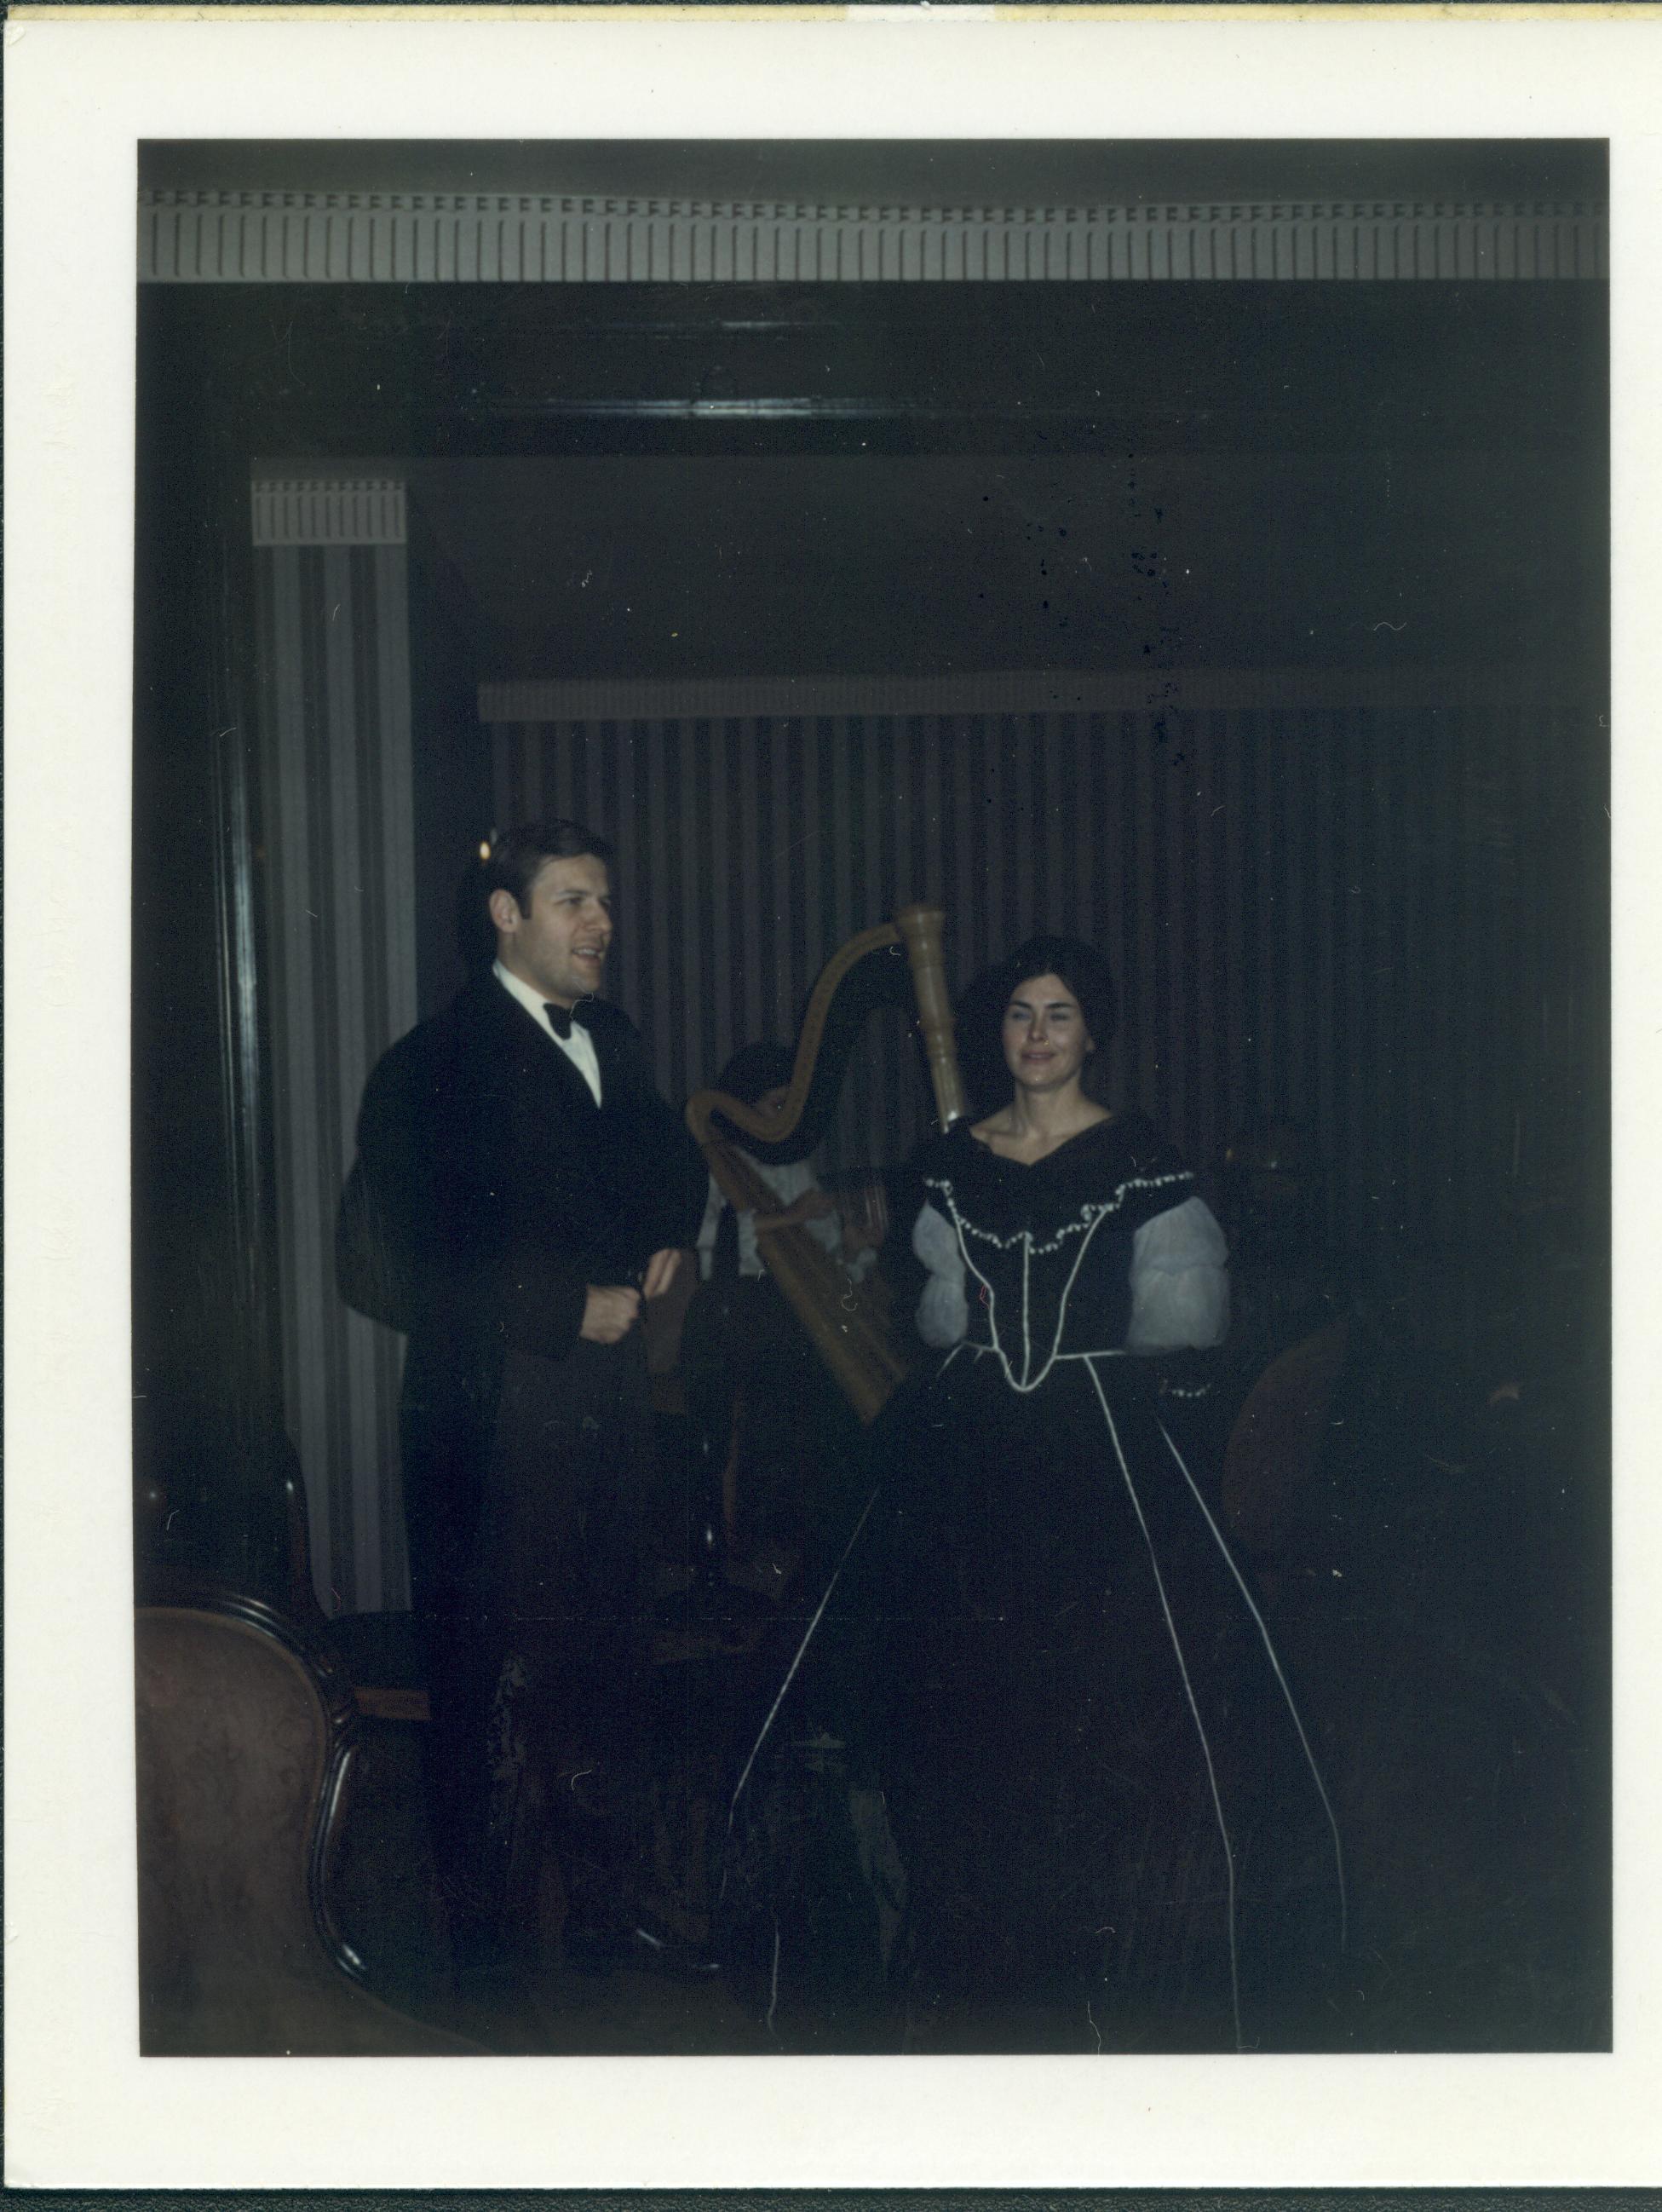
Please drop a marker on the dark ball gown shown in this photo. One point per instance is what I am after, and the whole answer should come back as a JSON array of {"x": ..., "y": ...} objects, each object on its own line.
[{"x": 1114, "y": 1832}]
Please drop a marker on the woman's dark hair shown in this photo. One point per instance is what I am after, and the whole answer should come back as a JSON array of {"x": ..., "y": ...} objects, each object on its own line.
[
  {"x": 982, "y": 1008},
  {"x": 755, "y": 1069},
  {"x": 515, "y": 860}
]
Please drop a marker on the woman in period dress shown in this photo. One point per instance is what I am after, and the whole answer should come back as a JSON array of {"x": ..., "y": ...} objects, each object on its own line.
[{"x": 1113, "y": 1830}]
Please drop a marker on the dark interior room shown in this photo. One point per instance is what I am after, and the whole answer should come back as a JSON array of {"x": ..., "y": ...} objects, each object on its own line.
[{"x": 1197, "y": 550}]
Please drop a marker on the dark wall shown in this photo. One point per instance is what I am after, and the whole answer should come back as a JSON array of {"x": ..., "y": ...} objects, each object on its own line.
[{"x": 1402, "y": 556}]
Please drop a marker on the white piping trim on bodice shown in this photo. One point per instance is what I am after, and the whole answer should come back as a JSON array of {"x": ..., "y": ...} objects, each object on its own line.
[
  {"x": 1084, "y": 1226},
  {"x": 1083, "y": 1223},
  {"x": 1056, "y": 1359},
  {"x": 1029, "y": 1380}
]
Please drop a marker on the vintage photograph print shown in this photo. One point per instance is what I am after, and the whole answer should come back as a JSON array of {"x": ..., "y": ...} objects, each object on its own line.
[{"x": 871, "y": 1043}]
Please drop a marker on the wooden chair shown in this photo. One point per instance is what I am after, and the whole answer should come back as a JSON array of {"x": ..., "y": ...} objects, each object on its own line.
[
  {"x": 1277, "y": 1438},
  {"x": 247, "y": 1733},
  {"x": 381, "y": 1651}
]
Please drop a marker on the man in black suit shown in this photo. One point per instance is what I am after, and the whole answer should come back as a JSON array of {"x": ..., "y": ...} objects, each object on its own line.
[{"x": 530, "y": 1188}]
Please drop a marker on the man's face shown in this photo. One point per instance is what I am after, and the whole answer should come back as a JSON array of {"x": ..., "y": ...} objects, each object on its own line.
[{"x": 560, "y": 947}]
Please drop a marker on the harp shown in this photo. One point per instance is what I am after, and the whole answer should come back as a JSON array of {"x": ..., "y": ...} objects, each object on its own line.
[{"x": 848, "y": 1324}]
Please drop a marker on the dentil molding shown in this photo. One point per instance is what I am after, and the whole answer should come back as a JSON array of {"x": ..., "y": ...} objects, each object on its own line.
[
  {"x": 404, "y": 238},
  {"x": 328, "y": 510}
]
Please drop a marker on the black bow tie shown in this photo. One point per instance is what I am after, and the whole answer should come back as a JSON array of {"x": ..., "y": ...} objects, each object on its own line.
[{"x": 560, "y": 1017}]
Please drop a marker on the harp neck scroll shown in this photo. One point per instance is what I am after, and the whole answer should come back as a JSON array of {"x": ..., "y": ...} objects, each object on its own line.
[{"x": 916, "y": 931}]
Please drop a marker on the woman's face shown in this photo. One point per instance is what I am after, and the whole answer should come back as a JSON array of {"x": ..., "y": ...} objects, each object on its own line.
[{"x": 1046, "y": 1041}]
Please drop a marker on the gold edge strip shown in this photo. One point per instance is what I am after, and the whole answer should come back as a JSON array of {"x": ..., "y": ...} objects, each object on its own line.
[
  {"x": 431, "y": 11},
  {"x": 1322, "y": 11}
]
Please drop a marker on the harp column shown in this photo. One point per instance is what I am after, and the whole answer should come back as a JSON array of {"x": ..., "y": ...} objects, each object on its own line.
[{"x": 921, "y": 929}]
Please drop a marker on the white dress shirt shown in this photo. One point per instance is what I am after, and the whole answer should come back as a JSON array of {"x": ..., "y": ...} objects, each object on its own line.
[{"x": 578, "y": 1047}]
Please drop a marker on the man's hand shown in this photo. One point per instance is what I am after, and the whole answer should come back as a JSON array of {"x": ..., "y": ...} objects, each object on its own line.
[
  {"x": 610, "y": 1315},
  {"x": 660, "y": 1272}
]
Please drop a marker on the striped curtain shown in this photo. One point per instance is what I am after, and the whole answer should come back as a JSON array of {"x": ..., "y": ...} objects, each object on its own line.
[
  {"x": 339, "y": 907},
  {"x": 1382, "y": 922}
]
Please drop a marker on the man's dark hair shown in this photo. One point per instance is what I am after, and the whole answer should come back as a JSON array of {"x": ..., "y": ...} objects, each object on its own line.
[{"x": 514, "y": 862}]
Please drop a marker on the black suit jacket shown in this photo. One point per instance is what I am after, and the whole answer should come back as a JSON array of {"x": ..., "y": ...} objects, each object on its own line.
[{"x": 502, "y": 1192}]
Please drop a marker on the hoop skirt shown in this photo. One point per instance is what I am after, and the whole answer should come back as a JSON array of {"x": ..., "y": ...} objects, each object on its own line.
[{"x": 1114, "y": 1830}]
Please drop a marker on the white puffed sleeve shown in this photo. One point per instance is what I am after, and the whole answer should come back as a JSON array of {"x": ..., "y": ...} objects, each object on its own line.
[
  {"x": 942, "y": 1311},
  {"x": 1180, "y": 1285}
]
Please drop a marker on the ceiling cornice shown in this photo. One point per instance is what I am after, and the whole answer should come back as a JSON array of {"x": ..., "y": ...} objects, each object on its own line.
[
  {"x": 258, "y": 236},
  {"x": 1010, "y": 691}
]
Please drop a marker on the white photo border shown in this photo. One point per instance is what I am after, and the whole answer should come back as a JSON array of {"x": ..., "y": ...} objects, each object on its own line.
[{"x": 81, "y": 91}]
